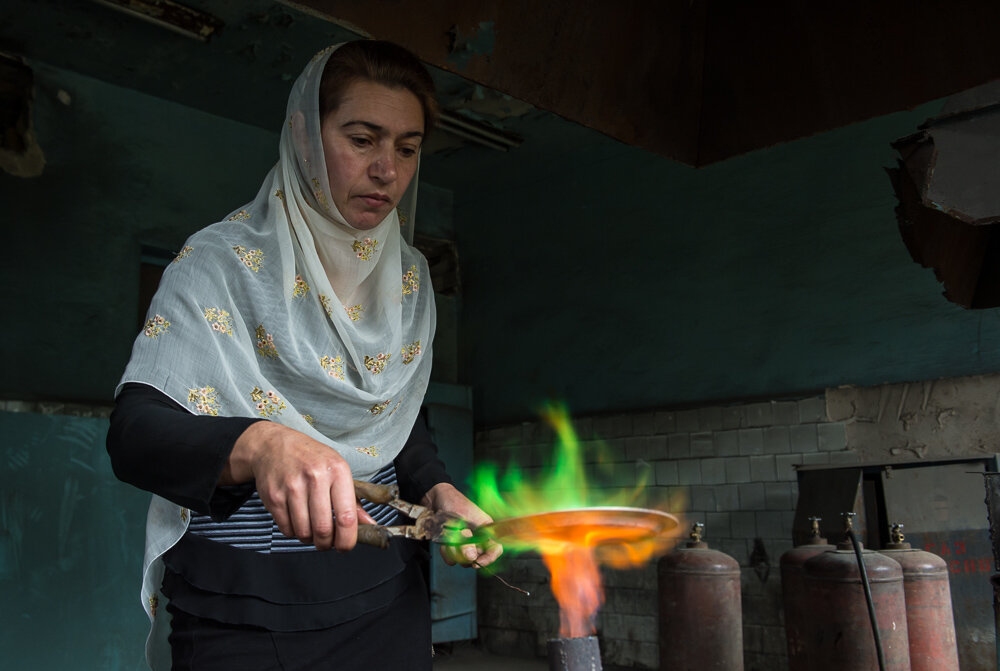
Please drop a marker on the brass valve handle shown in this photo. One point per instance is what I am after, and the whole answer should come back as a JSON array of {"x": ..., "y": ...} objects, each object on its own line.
[{"x": 814, "y": 526}]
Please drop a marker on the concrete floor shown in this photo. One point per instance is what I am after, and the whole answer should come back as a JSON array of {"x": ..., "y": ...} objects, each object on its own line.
[{"x": 466, "y": 655}]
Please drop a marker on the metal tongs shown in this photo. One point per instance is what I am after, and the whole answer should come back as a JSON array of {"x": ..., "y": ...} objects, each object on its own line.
[{"x": 430, "y": 525}]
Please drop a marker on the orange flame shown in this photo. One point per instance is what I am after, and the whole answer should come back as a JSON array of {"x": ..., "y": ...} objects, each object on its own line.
[
  {"x": 576, "y": 584},
  {"x": 572, "y": 546}
]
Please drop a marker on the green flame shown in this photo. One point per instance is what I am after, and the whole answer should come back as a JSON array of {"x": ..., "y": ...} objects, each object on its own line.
[{"x": 563, "y": 485}]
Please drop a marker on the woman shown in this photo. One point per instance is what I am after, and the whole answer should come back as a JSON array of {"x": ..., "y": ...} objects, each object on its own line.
[{"x": 301, "y": 323}]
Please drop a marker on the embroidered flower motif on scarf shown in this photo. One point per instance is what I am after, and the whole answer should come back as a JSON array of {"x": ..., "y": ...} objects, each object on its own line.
[
  {"x": 268, "y": 403},
  {"x": 154, "y": 602},
  {"x": 379, "y": 407},
  {"x": 301, "y": 287},
  {"x": 365, "y": 249},
  {"x": 395, "y": 408},
  {"x": 354, "y": 311},
  {"x": 242, "y": 215},
  {"x": 205, "y": 399},
  {"x": 411, "y": 351},
  {"x": 411, "y": 281},
  {"x": 377, "y": 363},
  {"x": 251, "y": 258},
  {"x": 184, "y": 515},
  {"x": 402, "y": 216},
  {"x": 183, "y": 254},
  {"x": 309, "y": 420},
  {"x": 156, "y": 326},
  {"x": 220, "y": 320},
  {"x": 333, "y": 365},
  {"x": 325, "y": 302},
  {"x": 280, "y": 195},
  {"x": 371, "y": 450},
  {"x": 265, "y": 343},
  {"x": 320, "y": 196}
]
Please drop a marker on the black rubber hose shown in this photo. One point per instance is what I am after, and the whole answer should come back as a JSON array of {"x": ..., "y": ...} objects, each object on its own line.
[{"x": 868, "y": 598}]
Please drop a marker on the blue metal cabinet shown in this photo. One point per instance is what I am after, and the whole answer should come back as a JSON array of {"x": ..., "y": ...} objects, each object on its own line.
[{"x": 453, "y": 588}]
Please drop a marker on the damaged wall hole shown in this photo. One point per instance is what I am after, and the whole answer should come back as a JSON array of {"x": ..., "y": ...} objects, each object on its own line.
[
  {"x": 949, "y": 196},
  {"x": 20, "y": 154}
]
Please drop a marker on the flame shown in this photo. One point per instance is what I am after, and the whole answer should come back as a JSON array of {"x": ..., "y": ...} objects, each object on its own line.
[
  {"x": 572, "y": 552},
  {"x": 576, "y": 584}
]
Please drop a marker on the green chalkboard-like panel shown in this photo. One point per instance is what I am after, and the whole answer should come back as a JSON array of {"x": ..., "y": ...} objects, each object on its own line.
[{"x": 71, "y": 539}]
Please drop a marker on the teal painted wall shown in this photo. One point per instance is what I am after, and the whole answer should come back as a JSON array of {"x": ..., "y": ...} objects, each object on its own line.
[
  {"x": 123, "y": 170},
  {"x": 70, "y": 549},
  {"x": 614, "y": 279}
]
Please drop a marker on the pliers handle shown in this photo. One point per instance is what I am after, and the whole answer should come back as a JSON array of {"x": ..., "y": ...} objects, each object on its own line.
[{"x": 427, "y": 524}]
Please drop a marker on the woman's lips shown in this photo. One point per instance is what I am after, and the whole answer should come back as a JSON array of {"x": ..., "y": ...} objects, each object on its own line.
[{"x": 375, "y": 200}]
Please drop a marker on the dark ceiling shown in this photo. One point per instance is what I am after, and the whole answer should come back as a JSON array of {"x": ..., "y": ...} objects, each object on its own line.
[
  {"x": 700, "y": 80},
  {"x": 696, "y": 81}
]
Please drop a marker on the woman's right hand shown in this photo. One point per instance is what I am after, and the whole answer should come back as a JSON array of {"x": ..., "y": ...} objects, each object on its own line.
[{"x": 305, "y": 485}]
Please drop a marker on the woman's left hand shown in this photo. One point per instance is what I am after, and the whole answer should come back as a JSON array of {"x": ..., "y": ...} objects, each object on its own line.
[{"x": 445, "y": 497}]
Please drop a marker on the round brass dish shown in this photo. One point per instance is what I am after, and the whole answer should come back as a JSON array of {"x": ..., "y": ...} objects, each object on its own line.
[{"x": 591, "y": 527}]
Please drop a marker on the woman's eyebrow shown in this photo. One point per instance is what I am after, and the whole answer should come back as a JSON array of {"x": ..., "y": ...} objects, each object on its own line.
[{"x": 379, "y": 129}]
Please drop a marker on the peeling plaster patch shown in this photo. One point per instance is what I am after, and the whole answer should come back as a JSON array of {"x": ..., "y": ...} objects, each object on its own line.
[
  {"x": 918, "y": 450},
  {"x": 935, "y": 418},
  {"x": 480, "y": 42}
]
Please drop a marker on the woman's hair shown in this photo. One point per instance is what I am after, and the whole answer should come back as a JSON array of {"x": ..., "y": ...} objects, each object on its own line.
[{"x": 382, "y": 63}]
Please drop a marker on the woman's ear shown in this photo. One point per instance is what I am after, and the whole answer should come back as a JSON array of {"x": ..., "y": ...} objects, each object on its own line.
[{"x": 300, "y": 136}]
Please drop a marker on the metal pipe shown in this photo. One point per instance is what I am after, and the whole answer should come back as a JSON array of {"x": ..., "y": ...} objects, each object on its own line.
[
  {"x": 574, "y": 654},
  {"x": 452, "y": 122},
  {"x": 880, "y": 654},
  {"x": 992, "y": 483}
]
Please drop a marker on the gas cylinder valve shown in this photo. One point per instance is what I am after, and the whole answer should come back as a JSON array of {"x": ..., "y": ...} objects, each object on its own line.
[
  {"x": 896, "y": 533},
  {"x": 697, "y": 531},
  {"x": 814, "y": 526}
]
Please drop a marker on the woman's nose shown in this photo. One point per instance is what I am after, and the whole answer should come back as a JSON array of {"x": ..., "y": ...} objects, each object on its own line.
[{"x": 383, "y": 168}]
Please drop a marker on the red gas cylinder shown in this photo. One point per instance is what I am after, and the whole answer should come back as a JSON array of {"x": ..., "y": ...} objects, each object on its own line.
[
  {"x": 701, "y": 618},
  {"x": 929, "y": 619},
  {"x": 840, "y": 632},
  {"x": 799, "y": 611}
]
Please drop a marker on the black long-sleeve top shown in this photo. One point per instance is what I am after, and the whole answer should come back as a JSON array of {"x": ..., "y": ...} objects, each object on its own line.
[{"x": 159, "y": 446}]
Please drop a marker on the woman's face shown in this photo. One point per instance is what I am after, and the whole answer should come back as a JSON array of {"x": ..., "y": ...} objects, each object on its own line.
[{"x": 370, "y": 143}]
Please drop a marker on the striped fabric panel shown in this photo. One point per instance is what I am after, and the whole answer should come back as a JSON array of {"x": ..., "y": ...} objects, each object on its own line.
[{"x": 252, "y": 527}]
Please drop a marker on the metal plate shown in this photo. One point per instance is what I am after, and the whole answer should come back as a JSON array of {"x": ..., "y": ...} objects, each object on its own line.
[{"x": 591, "y": 526}]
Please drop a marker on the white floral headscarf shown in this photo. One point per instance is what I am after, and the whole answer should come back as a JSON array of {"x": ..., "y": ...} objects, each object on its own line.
[{"x": 285, "y": 311}]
